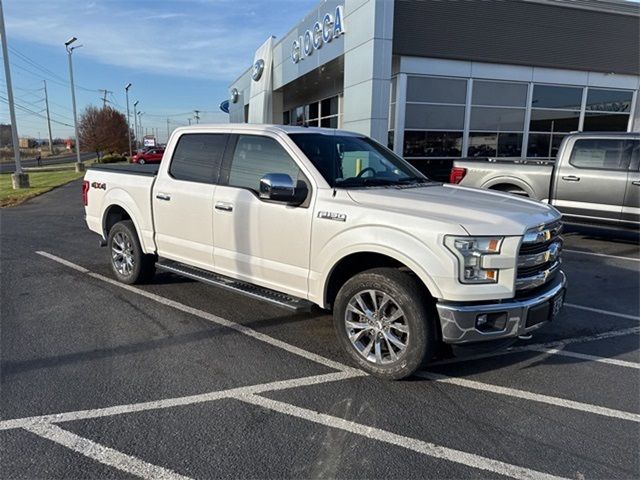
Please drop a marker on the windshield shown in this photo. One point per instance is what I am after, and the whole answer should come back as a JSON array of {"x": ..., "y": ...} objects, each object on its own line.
[{"x": 350, "y": 161}]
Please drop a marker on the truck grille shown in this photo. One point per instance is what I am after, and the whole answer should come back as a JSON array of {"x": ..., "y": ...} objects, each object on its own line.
[{"x": 539, "y": 256}]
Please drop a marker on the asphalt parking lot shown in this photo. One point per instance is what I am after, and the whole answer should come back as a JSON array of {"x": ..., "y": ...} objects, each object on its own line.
[{"x": 179, "y": 379}]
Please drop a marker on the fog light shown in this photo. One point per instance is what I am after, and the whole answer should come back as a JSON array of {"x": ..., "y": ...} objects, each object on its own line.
[{"x": 491, "y": 322}]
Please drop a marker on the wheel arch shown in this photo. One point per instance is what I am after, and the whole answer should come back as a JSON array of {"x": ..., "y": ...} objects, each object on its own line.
[
  {"x": 115, "y": 213},
  {"x": 503, "y": 184}
]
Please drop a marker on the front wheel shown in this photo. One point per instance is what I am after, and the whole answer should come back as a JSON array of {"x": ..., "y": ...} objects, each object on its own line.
[
  {"x": 128, "y": 262},
  {"x": 141, "y": 161},
  {"x": 385, "y": 323}
]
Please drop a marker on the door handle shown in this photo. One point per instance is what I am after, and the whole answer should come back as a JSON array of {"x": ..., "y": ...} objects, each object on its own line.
[
  {"x": 636, "y": 182},
  {"x": 225, "y": 207},
  {"x": 571, "y": 178},
  {"x": 163, "y": 196}
]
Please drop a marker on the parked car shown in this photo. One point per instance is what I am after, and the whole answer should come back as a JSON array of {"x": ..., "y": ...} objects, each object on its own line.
[
  {"x": 151, "y": 155},
  {"x": 594, "y": 179},
  {"x": 308, "y": 216}
]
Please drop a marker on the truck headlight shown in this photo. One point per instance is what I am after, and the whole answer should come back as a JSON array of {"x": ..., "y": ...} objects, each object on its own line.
[{"x": 470, "y": 251}]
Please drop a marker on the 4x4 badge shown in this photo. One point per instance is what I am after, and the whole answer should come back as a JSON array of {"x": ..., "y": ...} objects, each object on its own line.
[{"x": 339, "y": 217}]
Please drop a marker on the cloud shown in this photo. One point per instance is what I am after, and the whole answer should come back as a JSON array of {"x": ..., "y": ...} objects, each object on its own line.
[{"x": 199, "y": 39}]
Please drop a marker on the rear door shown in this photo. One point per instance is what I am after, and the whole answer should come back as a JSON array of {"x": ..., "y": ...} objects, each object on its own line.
[
  {"x": 631, "y": 207},
  {"x": 591, "y": 183},
  {"x": 182, "y": 199}
]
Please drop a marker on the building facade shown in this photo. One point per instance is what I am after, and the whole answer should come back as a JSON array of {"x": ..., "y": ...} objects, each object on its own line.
[{"x": 439, "y": 80}]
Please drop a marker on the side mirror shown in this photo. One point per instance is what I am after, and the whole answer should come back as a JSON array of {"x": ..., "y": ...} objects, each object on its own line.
[{"x": 278, "y": 187}]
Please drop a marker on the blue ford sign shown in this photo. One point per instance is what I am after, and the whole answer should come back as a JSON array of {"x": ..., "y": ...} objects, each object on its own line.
[{"x": 332, "y": 26}]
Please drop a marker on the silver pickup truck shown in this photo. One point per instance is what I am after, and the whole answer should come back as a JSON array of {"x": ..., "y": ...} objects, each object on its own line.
[{"x": 595, "y": 178}]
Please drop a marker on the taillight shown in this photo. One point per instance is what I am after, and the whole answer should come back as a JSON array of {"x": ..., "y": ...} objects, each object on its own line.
[
  {"x": 85, "y": 193},
  {"x": 457, "y": 174}
]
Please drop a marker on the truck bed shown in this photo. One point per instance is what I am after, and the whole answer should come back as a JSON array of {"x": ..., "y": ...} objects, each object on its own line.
[{"x": 147, "y": 170}]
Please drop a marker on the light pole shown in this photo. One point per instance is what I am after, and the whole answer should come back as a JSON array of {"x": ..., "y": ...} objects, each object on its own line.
[
  {"x": 141, "y": 131},
  {"x": 70, "y": 49},
  {"x": 126, "y": 91},
  {"x": 19, "y": 179},
  {"x": 135, "y": 121}
]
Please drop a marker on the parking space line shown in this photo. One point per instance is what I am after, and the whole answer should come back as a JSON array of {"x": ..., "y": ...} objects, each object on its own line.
[
  {"x": 209, "y": 317},
  {"x": 538, "y": 346},
  {"x": 174, "y": 402},
  {"x": 618, "y": 257},
  {"x": 605, "y": 312},
  {"x": 591, "y": 358},
  {"x": 531, "y": 396},
  {"x": 436, "y": 451},
  {"x": 105, "y": 455}
]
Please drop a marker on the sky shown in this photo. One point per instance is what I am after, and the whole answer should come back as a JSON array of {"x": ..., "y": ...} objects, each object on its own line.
[{"x": 179, "y": 55}]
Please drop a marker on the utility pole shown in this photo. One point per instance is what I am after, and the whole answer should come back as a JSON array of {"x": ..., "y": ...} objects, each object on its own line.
[
  {"x": 196, "y": 115},
  {"x": 126, "y": 91},
  {"x": 104, "y": 97},
  {"x": 19, "y": 179},
  {"x": 79, "y": 164},
  {"x": 141, "y": 130},
  {"x": 168, "y": 130},
  {"x": 189, "y": 121},
  {"x": 46, "y": 103},
  {"x": 135, "y": 122}
]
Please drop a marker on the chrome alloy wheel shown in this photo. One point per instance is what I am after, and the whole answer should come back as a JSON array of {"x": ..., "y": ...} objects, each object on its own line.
[
  {"x": 376, "y": 326},
  {"x": 122, "y": 253}
]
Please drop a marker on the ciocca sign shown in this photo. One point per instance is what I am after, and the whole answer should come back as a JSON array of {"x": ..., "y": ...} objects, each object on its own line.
[{"x": 332, "y": 26}]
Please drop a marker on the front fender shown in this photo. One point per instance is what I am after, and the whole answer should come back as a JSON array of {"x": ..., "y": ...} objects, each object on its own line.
[{"x": 400, "y": 246}]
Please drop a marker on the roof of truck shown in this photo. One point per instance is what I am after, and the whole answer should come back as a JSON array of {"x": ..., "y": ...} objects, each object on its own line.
[{"x": 264, "y": 128}]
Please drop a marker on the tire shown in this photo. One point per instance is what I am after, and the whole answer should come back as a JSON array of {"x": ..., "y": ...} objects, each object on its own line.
[
  {"x": 141, "y": 161},
  {"x": 415, "y": 328},
  {"x": 128, "y": 262}
]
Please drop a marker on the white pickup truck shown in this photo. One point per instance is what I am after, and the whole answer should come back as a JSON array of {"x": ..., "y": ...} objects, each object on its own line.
[{"x": 302, "y": 216}]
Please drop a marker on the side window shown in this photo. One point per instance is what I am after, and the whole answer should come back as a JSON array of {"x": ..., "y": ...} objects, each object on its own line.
[
  {"x": 602, "y": 154},
  {"x": 256, "y": 156},
  {"x": 197, "y": 157}
]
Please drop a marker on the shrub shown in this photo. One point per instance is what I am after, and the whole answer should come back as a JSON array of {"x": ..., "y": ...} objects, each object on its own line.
[{"x": 113, "y": 158}]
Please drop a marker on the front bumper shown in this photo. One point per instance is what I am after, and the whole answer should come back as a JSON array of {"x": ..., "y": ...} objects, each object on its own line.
[{"x": 458, "y": 320}]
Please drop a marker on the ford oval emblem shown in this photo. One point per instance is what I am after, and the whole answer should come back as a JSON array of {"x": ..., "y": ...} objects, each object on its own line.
[{"x": 257, "y": 70}]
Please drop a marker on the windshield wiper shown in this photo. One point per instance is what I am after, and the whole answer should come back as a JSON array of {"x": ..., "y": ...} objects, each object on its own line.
[{"x": 365, "y": 182}]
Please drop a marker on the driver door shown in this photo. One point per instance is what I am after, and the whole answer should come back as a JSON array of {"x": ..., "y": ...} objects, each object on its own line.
[{"x": 260, "y": 241}]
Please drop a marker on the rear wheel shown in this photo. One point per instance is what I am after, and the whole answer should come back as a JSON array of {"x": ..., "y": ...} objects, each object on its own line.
[
  {"x": 128, "y": 262},
  {"x": 384, "y": 322}
]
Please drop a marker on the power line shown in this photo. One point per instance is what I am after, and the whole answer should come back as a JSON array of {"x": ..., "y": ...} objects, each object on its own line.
[{"x": 37, "y": 114}]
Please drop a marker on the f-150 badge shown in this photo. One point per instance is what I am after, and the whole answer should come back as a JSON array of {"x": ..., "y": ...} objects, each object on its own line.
[{"x": 339, "y": 217}]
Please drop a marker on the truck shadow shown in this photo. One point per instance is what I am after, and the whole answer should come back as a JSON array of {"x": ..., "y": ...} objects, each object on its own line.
[{"x": 626, "y": 237}]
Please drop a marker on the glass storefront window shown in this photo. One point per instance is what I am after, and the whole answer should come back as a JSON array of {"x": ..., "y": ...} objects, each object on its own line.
[
  {"x": 330, "y": 122},
  {"x": 497, "y": 119},
  {"x": 551, "y": 96},
  {"x": 544, "y": 145},
  {"x": 601, "y": 100},
  {"x": 502, "y": 94},
  {"x": 329, "y": 106},
  {"x": 605, "y": 122},
  {"x": 482, "y": 144},
  {"x": 441, "y": 117},
  {"x": 436, "y": 90},
  {"x": 432, "y": 144},
  {"x": 554, "y": 121}
]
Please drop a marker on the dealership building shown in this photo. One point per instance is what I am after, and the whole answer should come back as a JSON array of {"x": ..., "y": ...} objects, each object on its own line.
[{"x": 437, "y": 80}]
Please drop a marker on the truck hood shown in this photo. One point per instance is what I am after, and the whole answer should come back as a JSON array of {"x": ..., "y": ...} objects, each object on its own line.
[{"x": 479, "y": 212}]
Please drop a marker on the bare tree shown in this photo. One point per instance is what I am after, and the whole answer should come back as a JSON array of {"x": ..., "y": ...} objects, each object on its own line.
[{"x": 103, "y": 130}]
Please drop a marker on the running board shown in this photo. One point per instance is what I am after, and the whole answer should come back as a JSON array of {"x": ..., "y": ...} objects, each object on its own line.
[{"x": 244, "y": 288}]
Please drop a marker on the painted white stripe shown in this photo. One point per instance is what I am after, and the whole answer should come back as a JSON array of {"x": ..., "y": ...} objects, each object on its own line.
[
  {"x": 618, "y": 257},
  {"x": 419, "y": 446},
  {"x": 605, "y": 312},
  {"x": 534, "y": 397},
  {"x": 591, "y": 358},
  {"x": 173, "y": 402},
  {"x": 102, "y": 454},
  {"x": 64, "y": 262},
  {"x": 210, "y": 317},
  {"x": 538, "y": 346}
]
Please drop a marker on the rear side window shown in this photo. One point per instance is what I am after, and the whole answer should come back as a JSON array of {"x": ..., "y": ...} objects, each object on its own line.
[
  {"x": 254, "y": 157},
  {"x": 601, "y": 154},
  {"x": 197, "y": 157}
]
